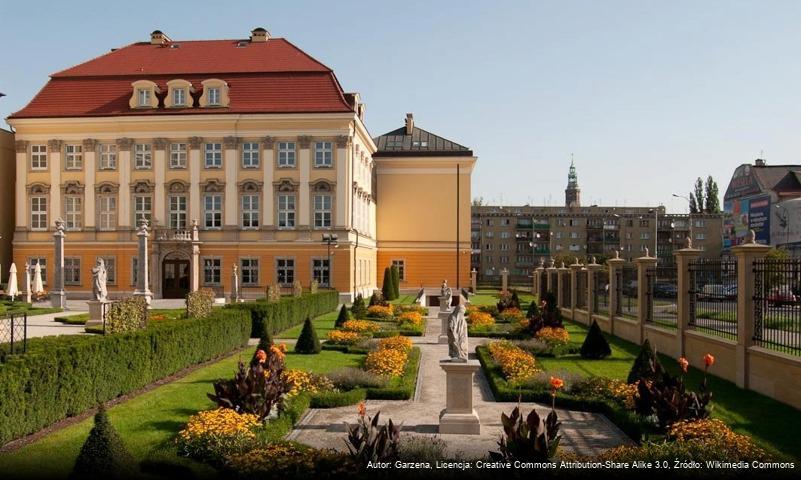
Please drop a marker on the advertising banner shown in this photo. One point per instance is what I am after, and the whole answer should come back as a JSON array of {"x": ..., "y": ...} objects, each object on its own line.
[{"x": 744, "y": 215}]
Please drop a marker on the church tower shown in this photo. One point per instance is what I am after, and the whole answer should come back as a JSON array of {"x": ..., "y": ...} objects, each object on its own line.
[{"x": 572, "y": 192}]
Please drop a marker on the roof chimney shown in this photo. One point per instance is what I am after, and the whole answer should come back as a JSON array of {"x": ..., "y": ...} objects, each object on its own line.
[
  {"x": 409, "y": 123},
  {"x": 760, "y": 162},
  {"x": 259, "y": 35},
  {"x": 159, "y": 38}
]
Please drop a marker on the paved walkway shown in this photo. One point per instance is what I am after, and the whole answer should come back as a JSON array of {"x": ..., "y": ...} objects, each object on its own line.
[{"x": 587, "y": 433}]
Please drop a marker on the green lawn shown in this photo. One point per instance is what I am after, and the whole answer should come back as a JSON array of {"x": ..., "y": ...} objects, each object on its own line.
[
  {"x": 404, "y": 300},
  {"x": 9, "y": 307},
  {"x": 79, "y": 319},
  {"x": 766, "y": 420},
  {"x": 322, "y": 324},
  {"x": 490, "y": 297},
  {"x": 149, "y": 422}
]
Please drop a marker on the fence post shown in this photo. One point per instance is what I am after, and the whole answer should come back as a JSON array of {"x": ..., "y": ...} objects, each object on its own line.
[
  {"x": 538, "y": 275},
  {"x": 504, "y": 280},
  {"x": 549, "y": 274},
  {"x": 560, "y": 282},
  {"x": 745, "y": 255},
  {"x": 615, "y": 266},
  {"x": 683, "y": 285},
  {"x": 575, "y": 271},
  {"x": 592, "y": 268},
  {"x": 643, "y": 264}
]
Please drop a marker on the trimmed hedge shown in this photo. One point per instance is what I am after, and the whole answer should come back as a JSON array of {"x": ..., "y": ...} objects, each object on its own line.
[
  {"x": 629, "y": 422},
  {"x": 64, "y": 376},
  {"x": 287, "y": 312},
  {"x": 338, "y": 399},
  {"x": 400, "y": 388},
  {"x": 277, "y": 428}
]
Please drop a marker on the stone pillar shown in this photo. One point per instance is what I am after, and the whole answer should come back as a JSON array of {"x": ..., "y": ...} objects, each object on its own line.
[
  {"x": 592, "y": 269},
  {"x": 142, "y": 264},
  {"x": 550, "y": 276},
  {"x": 89, "y": 169},
  {"x": 21, "y": 186},
  {"x": 615, "y": 265},
  {"x": 504, "y": 280},
  {"x": 474, "y": 280},
  {"x": 27, "y": 283},
  {"x": 459, "y": 416},
  {"x": 195, "y": 266},
  {"x": 642, "y": 264},
  {"x": 683, "y": 284},
  {"x": 58, "y": 297},
  {"x": 534, "y": 286},
  {"x": 268, "y": 166},
  {"x": 304, "y": 169},
  {"x": 745, "y": 255},
  {"x": 231, "y": 164},
  {"x": 561, "y": 273},
  {"x": 575, "y": 271},
  {"x": 235, "y": 296}
]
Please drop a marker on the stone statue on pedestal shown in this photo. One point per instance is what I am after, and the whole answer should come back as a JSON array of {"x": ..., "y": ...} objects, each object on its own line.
[
  {"x": 457, "y": 335},
  {"x": 99, "y": 278},
  {"x": 446, "y": 294}
]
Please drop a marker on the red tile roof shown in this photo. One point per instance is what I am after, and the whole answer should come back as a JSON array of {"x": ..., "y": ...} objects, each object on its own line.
[{"x": 270, "y": 77}]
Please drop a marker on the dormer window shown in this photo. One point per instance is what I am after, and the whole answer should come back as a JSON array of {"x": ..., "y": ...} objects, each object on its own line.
[
  {"x": 179, "y": 97},
  {"x": 179, "y": 94},
  {"x": 144, "y": 94},
  {"x": 215, "y": 93}
]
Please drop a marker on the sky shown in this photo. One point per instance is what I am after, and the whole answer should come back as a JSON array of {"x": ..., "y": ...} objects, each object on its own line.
[{"x": 645, "y": 95}]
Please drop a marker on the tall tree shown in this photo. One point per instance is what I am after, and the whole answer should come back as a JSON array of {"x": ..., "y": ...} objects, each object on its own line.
[
  {"x": 699, "y": 194},
  {"x": 693, "y": 203},
  {"x": 712, "y": 202}
]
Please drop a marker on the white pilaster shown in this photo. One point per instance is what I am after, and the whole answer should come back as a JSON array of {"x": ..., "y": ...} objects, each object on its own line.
[
  {"x": 124, "y": 201},
  {"x": 305, "y": 171},
  {"x": 21, "y": 185},
  {"x": 89, "y": 160},
  {"x": 159, "y": 176},
  {"x": 342, "y": 164},
  {"x": 230, "y": 165},
  {"x": 268, "y": 169},
  {"x": 194, "y": 179},
  {"x": 54, "y": 164}
]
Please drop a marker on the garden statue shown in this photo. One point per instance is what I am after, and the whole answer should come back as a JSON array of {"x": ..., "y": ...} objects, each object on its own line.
[
  {"x": 457, "y": 335},
  {"x": 446, "y": 296},
  {"x": 99, "y": 278}
]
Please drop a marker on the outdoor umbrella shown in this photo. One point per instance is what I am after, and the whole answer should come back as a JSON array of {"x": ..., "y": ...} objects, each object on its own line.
[
  {"x": 38, "y": 288},
  {"x": 12, "y": 290}
]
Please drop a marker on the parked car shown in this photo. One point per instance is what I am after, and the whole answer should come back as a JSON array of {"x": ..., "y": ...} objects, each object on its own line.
[
  {"x": 712, "y": 292},
  {"x": 781, "y": 295},
  {"x": 730, "y": 292},
  {"x": 665, "y": 290}
]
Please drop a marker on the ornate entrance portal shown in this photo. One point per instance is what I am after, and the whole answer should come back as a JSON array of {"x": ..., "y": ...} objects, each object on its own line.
[{"x": 174, "y": 278}]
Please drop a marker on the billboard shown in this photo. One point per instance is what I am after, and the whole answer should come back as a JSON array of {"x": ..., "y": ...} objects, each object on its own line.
[
  {"x": 744, "y": 215},
  {"x": 786, "y": 225}
]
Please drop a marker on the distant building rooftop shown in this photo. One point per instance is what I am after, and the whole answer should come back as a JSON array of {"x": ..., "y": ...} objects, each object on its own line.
[{"x": 412, "y": 141}]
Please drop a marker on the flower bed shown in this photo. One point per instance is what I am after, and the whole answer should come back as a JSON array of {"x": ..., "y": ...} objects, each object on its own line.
[
  {"x": 553, "y": 337},
  {"x": 380, "y": 312},
  {"x": 390, "y": 358},
  {"x": 517, "y": 364},
  {"x": 360, "y": 326},
  {"x": 212, "y": 435},
  {"x": 343, "y": 337}
]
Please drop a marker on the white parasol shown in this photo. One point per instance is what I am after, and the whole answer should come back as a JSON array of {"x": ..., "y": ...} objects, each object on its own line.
[
  {"x": 38, "y": 288},
  {"x": 12, "y": 290}
]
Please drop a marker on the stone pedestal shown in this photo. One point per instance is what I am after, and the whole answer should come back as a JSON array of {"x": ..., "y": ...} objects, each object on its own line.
[
  {"x": 459, "y": 416},
  {"x": 97, "y": 312},
  {"x": 443, "y": 317}
]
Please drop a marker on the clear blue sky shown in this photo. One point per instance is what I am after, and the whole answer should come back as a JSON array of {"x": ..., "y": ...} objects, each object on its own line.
[{"x": 647, "y": 95}]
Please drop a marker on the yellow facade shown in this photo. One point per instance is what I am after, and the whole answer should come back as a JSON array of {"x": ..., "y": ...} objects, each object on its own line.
[{"x": 7, "y": 172}]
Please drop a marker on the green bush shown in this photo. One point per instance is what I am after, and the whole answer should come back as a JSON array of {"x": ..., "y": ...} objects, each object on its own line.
[
  {"x": 103, "y": 454},
  {"x": 645, "y": 365},
  {"x": 358, "y": 310},
  {"x": 387, "y": 289},
  {"x": 343, "y": 316},
  {"x": 199, "y": 303},
  {"x": 307, "y": 341},
  {"x": 64, "y": 376},
  {"x": 329, "y": 399},
  {"x": 286, "y": 312},
  {"x": 395, "y": 281},
  {"x": 126, "y": 315},
  {"x": 595, "y": 345}
]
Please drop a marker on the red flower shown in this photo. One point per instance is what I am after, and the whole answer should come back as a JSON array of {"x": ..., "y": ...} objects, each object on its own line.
[
  {"x": 362, "y": 409},
  {"x": 557, "y": 383},
  {"x": 709, "y": 360},
  {"x": 683, "y": 363},
  {"x": 261, "y": 355}
]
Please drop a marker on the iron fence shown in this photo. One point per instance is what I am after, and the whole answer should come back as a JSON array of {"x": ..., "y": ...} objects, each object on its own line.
[
  {"x": 567, "y": 301},
  {"x": 14, "y": 333},
  {"x": 661, "y": 292},
  {"x": 601, "y": 298},
  {"x": 713, "y": 296},
  {"x": 581, "y": 289},
  {"x": 777, "y": 304},
  {"x": 626, "y": 291},
  {"x": 543, "y": 283},
  {"x": 553, "y": 277}
]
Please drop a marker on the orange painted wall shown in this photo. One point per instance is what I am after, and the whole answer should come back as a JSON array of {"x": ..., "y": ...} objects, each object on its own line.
[{"x": 426, "y": 268}]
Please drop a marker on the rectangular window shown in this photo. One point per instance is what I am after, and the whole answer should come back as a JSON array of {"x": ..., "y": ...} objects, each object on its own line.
[
  {"x": 72, "y": 271},
  {"x": 212, "y": 271},
  {"x": 107, "y": 205},
  {"x": 178, "y": 212},
  {"x": 143, "y": 96},
  {"x": 214, "y": 96},
  {"x": 108, "y": 156},
  {"x": 212, "y": 205},
  {"x": 143, "y": 207},
  {"x": 321, "y": 271},
  {"x": 322, "y": 211},
  {"x": 178, "y": 155},
  {"x": 250, "y": 271},
  {"x": 74, "y": 157},
  {"x": 111, "y": 269},
  {"x": 401, "y": 264},
  {"x": 323, "y": 155},
  {"x": 73, "y": 212},
  {"x": 700, "y": 236},
  {"x": 250, "y": 211},
  {"x": 179, "y": 97},
  {"x": 38, "y": 157},
  {"x": 286, "y": 211},
  {"x": 38, "y": 213},
  {"x": 42, "y": 266},
  {"x": 286, "y": 154},
  {"x": 644, "y": 236},
  {"x": 213, "y": 155},
  {"x": 285, "y": 270},
  {"x": 143, "y": 156},
  {"x": 699, "y": 224},
  {"x": 250, "y": 155}
]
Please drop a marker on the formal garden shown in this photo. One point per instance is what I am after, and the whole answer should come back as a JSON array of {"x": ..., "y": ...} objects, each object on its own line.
[{"x": 206, "y": 392}]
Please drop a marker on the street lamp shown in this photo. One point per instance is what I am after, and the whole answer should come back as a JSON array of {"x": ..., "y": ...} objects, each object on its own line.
[
  {"x": 689, "y": 214},
  {"x": 330, "y": 240}
]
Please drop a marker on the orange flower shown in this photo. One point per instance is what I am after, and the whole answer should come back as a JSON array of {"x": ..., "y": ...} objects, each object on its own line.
[
  {"x": 557, "y": 383},
  {"x": 683, "y": 363},
  {"x": 709, "y": 360},
  {"x": 282, "y": 347},
  {"x": 362, "y": 409},
  {"x": 277, "y": 351},
  {"x": 261, "y": 355}
]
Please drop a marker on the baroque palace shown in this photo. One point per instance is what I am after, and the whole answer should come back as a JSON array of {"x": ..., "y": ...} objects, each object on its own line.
[{"x": 239, "y": 153}]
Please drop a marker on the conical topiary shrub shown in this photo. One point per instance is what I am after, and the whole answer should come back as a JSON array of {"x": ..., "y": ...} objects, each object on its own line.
[
  {"x": 646, "y": 365},
  {"x": 395, "y": 282},
  {"x": 595, "y": 345},
  {"x": 103, "y": 455},
  {"x": 308, "y": 341},
  {"x": 343, "y": 317},
  {"x": 386, "y": 287},
  {"x": 358, "y": 309},
  {"x": 265, "y": 342}
]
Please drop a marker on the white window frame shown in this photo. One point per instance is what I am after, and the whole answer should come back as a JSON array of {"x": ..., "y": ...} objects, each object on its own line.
[
  {"x": 321, "y": 271},
  {"x": 179, "y": 97},
  {"x": 322, "y": 212},
  {"x": 139, "y": 202},
  {"x": 177, "y": 205},
  {"x": 323, "y": 154},
  {"x": 212, "y": 155},
  {"x": 287, "y": 203},
  {"x": 38, "y": 157},
  {"x": 72, "y": 270},
  {"x": 250, "y": 210},
  {"x": 39, "y": 212},
  {"x": 212, "y": 270},
  {"x": 401, "y": 264},
  {"x": 108, "y": 156},
  {"x": 73, "y": 212},
  {"x": 249, "y": 271},
  {"x": 287, "y": 155},
  {"x": 213, "y": 96},
  {"x": 73, "y": 157},
  {"x": 285, "y": 265},
  {"x": 107, "y": 212},
  {"x": 143, "y": 156},
  {"x": 178, "y": 155},
  {"x": 250, "y": 155},
  {"x": 143, "y": 97},
  {"x": 212, "y": 212}
]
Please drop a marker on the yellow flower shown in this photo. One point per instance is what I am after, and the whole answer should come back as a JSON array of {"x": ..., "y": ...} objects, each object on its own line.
[
  {"x": 411, "y": 317},
  {"x": 516, "y": 364},
  {"x": 398, "y": 342},
  {"x": 480, "y": 319},
  {"x": 389, "y": 362},
  {"x": 343, "y": 337},
  {"x": 553, "y": 336},
  {"x": 381, "y": 311},
  {"x": 360, "y": 326}
]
